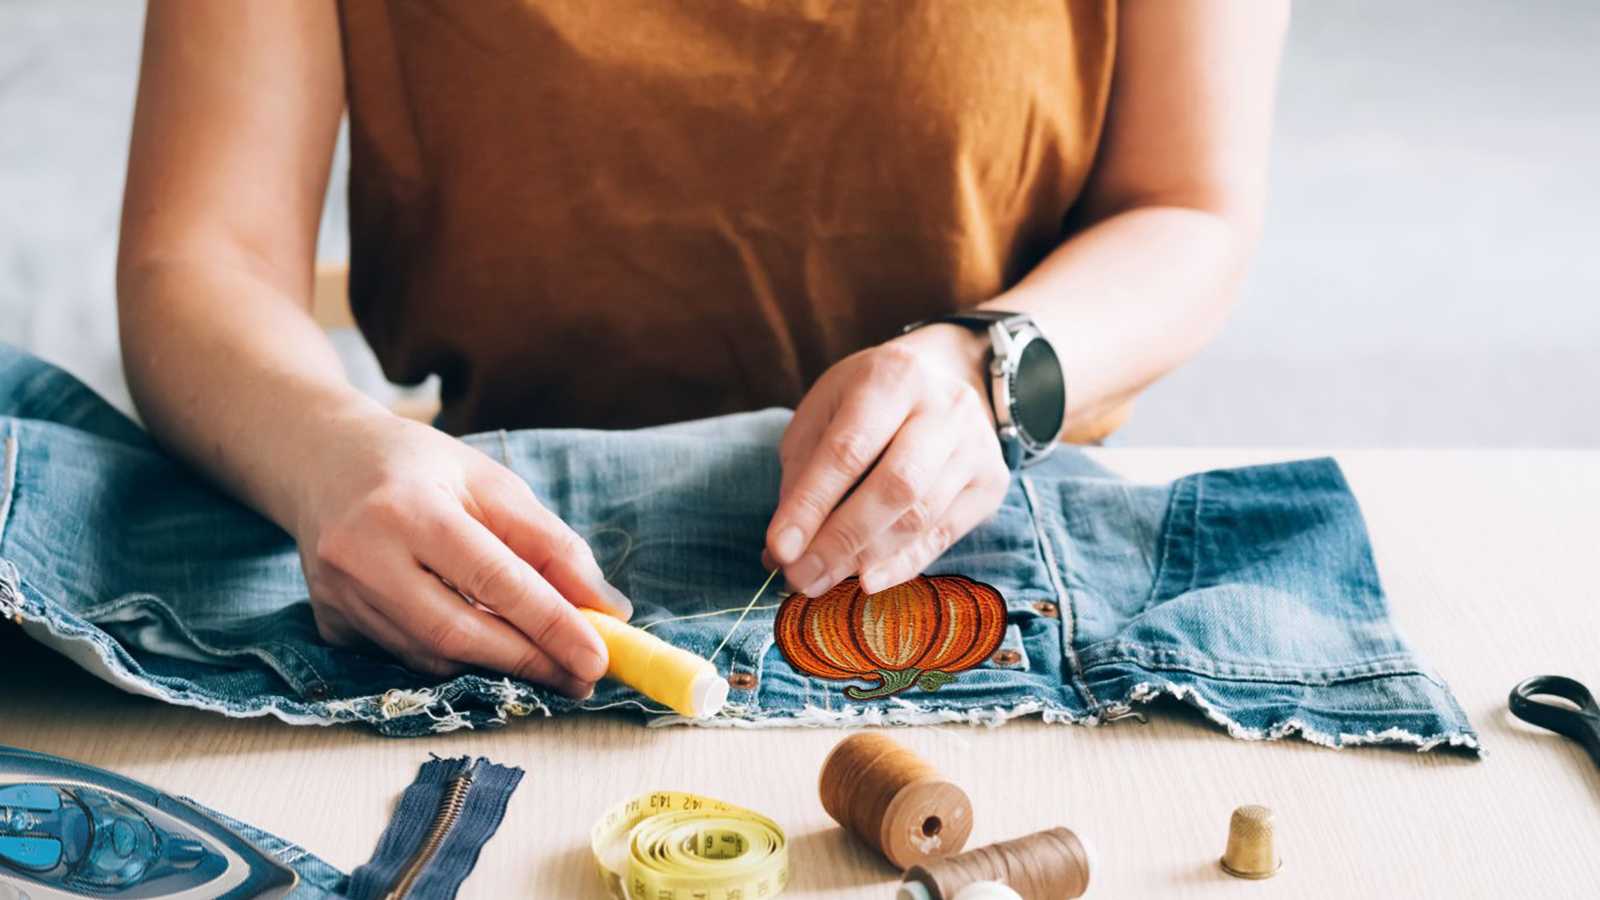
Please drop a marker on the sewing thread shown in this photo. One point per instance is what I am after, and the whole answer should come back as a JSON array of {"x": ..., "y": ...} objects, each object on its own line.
[
  {"x": 1046, "y": 865},
  {"x": 894, "y": 800},
  {"x": 744, "y": 612},
  {"x": 665, "y": 673}
]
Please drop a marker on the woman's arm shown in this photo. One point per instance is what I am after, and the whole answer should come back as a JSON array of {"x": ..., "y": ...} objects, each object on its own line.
[
  {"x": 233, "y": 134},
  {"x": 237, "y": 114},
  {"x": 1173, "y": 207},
  {"x": 1168, "y": 221}
]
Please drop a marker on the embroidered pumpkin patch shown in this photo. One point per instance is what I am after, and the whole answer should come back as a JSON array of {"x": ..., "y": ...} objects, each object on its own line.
[{"x": 916, "y": 634}]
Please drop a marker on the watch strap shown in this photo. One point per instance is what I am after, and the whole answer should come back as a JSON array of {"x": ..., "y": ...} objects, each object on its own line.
[{"x": 978, "y": 319}]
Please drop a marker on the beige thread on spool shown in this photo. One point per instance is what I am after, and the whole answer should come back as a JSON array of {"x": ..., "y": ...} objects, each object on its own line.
[
  {"x": 894, "y": 800},
  {"x": 1045, "y": 865}
]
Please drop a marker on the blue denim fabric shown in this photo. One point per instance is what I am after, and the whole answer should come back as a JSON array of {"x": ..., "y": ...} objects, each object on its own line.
[
  {"x": 453, "y": 859},
  {"x": 415, "y": 812},
  {"x": 318, "y": 879},
  {"x": 1248, "y": 593}
]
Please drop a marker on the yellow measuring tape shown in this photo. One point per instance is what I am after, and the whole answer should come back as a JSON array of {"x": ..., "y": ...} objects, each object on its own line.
[{"x": 669, "y": 845}]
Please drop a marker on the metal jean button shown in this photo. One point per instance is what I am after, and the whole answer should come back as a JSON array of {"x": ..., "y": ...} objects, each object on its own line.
[
  {"x": 743, "y": 681},
  {"x": 1046, "y": 608},
  {"x": 1006, "y": 658}
]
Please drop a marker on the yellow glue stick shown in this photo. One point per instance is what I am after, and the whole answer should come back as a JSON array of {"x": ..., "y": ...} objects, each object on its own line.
[{"x": 669, "y": 675}]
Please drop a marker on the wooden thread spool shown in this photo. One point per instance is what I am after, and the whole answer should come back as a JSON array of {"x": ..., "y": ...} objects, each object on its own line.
[
  {"x": 1046, "y": 865},
  {"x": 894, "y": 800}
]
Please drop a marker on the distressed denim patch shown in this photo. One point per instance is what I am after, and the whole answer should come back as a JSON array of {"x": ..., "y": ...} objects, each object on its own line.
[{"x": 1249, "y": 593}]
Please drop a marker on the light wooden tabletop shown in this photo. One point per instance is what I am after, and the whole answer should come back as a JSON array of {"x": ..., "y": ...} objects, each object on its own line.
[{"x": 1490, "y": 562}]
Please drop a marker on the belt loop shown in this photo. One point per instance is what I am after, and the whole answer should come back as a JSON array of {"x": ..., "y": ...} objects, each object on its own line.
[{"x": 1053, "y": 562}]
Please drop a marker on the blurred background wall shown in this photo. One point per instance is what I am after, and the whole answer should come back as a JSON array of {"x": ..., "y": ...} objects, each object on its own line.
[{"x": 1430, "y": 274}]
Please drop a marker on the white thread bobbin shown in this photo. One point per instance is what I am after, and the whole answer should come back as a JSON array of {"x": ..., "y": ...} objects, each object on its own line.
[
  {"x": 978, "y": 890},
  {"x": 987, "y": 890}
]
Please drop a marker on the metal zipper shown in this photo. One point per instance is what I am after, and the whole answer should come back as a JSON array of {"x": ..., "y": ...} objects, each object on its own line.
[{"x": 444, "y": 819}]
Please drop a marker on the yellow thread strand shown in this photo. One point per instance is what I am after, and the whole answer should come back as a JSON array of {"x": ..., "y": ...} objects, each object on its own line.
[
  {"x": 705, "y": 615},
  {"x": 749, "y": 606},
  {"x": 667, "y": 674}
]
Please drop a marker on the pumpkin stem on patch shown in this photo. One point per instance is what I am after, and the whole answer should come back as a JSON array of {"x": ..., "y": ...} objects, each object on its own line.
[
  {"x": 934, "y": 679},
  {"x": 894, "y": 681}
]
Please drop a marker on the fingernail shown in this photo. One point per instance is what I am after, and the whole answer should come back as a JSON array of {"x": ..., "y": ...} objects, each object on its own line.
[
  {"x": 788, "y": 544},
  {"x": 820, "y": 586},
  {"x": 618, "y": 601},
  {"x": 872, "y": 582},
  {"x": 807, "y": 571},
  {"x": 587, "y": 664},
  {"x": 575, "y": 688}
]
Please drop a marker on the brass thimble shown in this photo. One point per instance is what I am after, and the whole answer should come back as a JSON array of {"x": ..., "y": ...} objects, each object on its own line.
[{"x": 1251, "y": 851}]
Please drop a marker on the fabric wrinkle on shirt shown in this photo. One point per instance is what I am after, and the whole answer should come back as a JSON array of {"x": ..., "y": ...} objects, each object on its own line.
[{"x": 639, "y": 212}]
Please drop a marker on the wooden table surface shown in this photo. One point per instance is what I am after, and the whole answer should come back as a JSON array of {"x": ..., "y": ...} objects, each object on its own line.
[{"x": 1490, "y": 560}]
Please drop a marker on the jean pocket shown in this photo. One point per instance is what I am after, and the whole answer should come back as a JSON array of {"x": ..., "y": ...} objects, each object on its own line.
[
  {"x": 1264, "y": 572},
  {"x": 281, "y": 642}
]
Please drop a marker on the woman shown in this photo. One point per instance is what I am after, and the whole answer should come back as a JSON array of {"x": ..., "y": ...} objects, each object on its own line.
[{"x": 619, "y": 214}]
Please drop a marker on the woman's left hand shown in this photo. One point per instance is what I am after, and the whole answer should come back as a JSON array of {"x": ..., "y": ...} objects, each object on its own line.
[{"x": 890, "y": 458}]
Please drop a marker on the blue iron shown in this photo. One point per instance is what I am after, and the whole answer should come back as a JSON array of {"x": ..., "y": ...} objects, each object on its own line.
[{"x": 71, "y": 830}]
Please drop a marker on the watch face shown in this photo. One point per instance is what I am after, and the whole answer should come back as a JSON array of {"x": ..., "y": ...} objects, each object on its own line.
[{"x": 1039, "y": 395}]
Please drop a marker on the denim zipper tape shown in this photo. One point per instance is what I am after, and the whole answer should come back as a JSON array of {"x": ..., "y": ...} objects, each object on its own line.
[
  {"x": 441, "y": 823},
  {"x": 669, "y": 845}
]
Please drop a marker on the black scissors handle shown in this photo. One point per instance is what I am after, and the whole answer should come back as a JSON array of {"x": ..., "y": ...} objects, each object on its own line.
[{"x": 1581, "y": 724}]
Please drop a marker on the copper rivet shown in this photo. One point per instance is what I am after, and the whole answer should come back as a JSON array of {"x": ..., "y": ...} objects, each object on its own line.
[
  {"x": 1006, "y": 658},
  {"x": 1046, "y": 608},
  {"x": 744, "y": 681}
]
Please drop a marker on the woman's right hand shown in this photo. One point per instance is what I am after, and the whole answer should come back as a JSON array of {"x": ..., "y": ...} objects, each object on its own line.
[
  {"x": 231, "y": 372},
  {"x": 395, "y": 509}
]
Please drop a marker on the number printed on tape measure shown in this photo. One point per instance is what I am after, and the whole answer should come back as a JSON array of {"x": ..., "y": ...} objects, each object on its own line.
[{"x": 667, "y": 845}]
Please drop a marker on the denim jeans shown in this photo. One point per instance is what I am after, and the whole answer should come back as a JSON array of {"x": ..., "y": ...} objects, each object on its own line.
[{"x": 1248, "y": 593}]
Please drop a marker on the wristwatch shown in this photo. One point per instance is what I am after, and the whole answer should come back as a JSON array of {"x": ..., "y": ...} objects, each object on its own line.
[{"x": 1027, "y": 386}]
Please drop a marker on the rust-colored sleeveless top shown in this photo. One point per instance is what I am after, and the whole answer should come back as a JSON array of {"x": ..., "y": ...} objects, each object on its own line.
[{"x": 620, "y": 213}]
